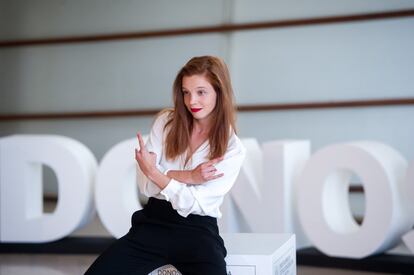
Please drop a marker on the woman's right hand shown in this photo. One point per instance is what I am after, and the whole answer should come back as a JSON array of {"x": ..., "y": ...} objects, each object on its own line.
[{"x": 206, "y": 171}]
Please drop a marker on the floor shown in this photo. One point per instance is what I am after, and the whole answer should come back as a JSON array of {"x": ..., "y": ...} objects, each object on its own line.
[{"x": 24, "y": 264}]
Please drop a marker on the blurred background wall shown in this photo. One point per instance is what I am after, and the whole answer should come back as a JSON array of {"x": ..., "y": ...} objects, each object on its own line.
[{"x": 330, "y": 62}]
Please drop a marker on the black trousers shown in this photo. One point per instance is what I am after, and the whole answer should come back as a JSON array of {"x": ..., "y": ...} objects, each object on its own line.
[{"x": 160, "y": 236}]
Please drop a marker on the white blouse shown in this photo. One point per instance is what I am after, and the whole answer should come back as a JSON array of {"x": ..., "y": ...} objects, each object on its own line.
[{"x": 203, "y": 199}]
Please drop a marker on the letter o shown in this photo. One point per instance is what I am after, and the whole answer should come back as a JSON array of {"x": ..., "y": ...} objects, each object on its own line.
[
  {"x": 323, "y": 199},
  {"x": 116, "y": 191}
]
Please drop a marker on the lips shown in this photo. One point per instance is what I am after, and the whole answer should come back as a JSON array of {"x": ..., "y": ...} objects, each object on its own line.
[{"x": 195, "y": 110}]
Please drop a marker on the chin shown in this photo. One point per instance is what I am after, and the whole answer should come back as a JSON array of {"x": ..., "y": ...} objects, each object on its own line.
[{"x": 198, "y": 117}]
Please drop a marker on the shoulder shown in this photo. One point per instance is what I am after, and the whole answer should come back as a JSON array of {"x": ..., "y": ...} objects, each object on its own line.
[
  {"x": 235, "y": 145},
  {"x": 161, "y": 120}
]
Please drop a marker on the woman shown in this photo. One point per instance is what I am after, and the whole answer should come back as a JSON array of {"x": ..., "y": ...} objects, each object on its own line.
[{"x": 191, "y": 160}]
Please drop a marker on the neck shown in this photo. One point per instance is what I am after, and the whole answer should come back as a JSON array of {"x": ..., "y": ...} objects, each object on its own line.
[{"x": 201, "y": 126}]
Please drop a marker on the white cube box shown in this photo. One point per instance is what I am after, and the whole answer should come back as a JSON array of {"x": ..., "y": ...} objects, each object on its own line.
[{"x": 260, "y": 254}]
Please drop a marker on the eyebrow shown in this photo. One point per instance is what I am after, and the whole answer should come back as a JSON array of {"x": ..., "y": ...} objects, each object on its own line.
[{"x": 183, "y": 88}]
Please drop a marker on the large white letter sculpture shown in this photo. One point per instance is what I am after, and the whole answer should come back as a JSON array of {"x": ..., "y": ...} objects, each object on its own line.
[
  {"x": 275, "y": 179},
  {"x": 116, "y": 191},
  {"x": 21, "y": 202},
  {"x": 409, "y": 181},
  {"x": 263, "y": 197},
  {"x": 323, "y": 199}
]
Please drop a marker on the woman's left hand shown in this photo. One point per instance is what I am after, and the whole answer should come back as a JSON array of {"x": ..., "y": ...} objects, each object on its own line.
[{"x": 146, "y": 160}]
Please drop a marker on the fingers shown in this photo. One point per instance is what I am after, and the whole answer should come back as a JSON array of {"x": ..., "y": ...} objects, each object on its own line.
[
  {"x": 208, "y": 168},
  {"x": 215, "y": 161},
  {"x": 141, "y": 141},
  {"x": 213, "y": 177},
  {"x": 210, "y": 173},
  {"x": 209, "y": 165}
]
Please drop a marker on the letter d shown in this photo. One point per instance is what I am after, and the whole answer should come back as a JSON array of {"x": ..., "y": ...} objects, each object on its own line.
[{"x": 21, "y": 213}]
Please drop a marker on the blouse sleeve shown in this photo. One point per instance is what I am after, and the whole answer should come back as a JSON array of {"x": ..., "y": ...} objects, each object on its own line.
[
  {"x": 154, "y": 144},
  {"x": 206, "y": 198}
]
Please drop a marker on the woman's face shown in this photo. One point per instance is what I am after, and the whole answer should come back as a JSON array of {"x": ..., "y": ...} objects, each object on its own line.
[{"x": 199, "y": 96}]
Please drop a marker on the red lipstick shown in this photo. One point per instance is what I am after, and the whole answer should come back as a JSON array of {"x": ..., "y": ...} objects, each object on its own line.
[{"x": 195, "y": 110}]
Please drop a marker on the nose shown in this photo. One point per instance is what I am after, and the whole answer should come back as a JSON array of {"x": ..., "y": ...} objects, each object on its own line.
[{"x": 193, "y": 99}]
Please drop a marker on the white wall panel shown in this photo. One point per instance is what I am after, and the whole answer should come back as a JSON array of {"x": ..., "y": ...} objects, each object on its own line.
[
  {"x": 390, "y": 125},
  {"x": 328, "y": 62},
  {"x": 251, "y": 11},
  {"x": 97, "y": 134},
  {"x": 98, "y": 76},
  {"x": 44, "y": 18}
]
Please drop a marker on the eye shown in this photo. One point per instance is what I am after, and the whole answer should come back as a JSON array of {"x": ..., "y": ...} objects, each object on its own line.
[
  {"x": 201, "y": 92},
  {"x": 185, "y": 92}
]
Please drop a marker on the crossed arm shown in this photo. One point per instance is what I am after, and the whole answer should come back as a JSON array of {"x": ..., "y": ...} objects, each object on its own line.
[{"x": 147, "y": 162}]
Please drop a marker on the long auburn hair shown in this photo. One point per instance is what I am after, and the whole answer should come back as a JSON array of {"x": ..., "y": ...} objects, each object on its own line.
[{"x": 180, "y": 120}]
